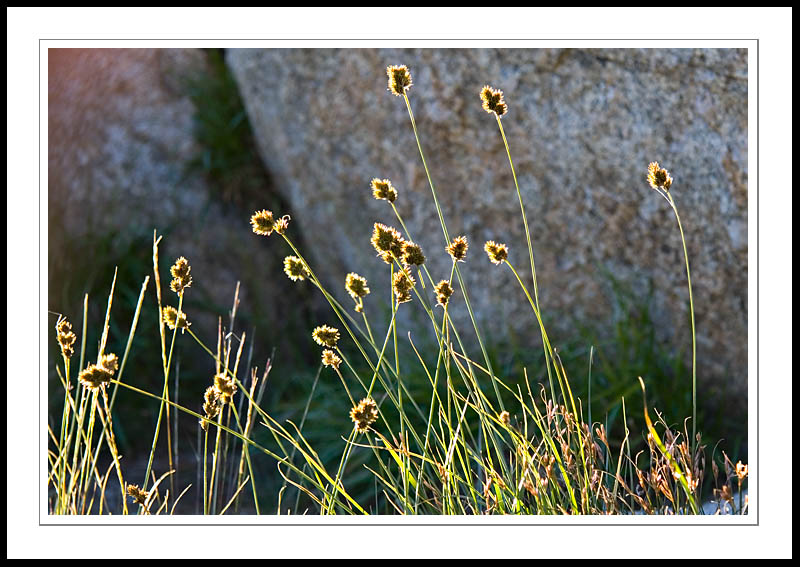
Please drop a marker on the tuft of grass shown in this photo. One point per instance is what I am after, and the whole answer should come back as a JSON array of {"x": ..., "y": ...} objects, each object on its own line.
[{"x": 391, "y": 424}]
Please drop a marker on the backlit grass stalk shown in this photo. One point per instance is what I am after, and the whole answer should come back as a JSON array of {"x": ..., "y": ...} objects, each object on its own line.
[{"x": 661, "y": 181}]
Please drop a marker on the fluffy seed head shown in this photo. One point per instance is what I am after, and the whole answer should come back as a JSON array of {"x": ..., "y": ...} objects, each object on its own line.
[
  {"x": 498, "y": 253},
  {"x": 263, "y": 222},
  {"x": 364, "y": 414},
  {"x": 65, "y": 337},
  {"x": 383, "y": 189},
  {"x": 282, "y": 224},
  {"x": 330, "y": 358},
  {"x": 212, "y": 404},
  {"x": 326, "y": 336},
  {"x": 226, "y": 386},
  {"x": 295, "y": 268},
  {"x": 139, "y": 496},
  {"x": 181, "y": 278},
  {"x": 387, "y": 240},
  {"x": 458, "y": 248},
  {"x": 399, "y": 79},
  {"x": 412, "y": 254},
  {"x": 402, "y": 283},
  {"x": 443, "y": 292},
  {"x": 493, "y": 101},
  {"x": 356, "y": 285},
  {"x": 173, "y": 320},
  {"x": 100, "y": 374},
  {"x": 505, "y": 417},
  {"x": 658, "y": 177}
]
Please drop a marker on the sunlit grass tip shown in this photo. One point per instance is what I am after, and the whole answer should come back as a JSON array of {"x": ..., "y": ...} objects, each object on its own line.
[
  {"x": 399, "y": 79},
  {"x": 181, "y": 276},
  {"x": 658, "y": 177},
  {"x": 383, "y": 189},
  {"x": 174, "y": 320},
  {"x": 295, "y": 268},
  {"x": 458, "y": 248},
  {"x": 325, "y": 336},
  {"x": 364, "y": 414},
  {"x": 493, "y": 101},
  {"x": 498, "y": 253}
]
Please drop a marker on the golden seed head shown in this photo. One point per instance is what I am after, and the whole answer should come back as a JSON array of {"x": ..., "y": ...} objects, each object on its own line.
[
  {"x": 212, "y": 404},
  {"x": 458, "y": 248},
  {"x": 356, "y": 286},
  {"x": 505, "y": 417},
  {"x": 173, "y": 319},
  {"x": 295, "y": 268},
  {"x": 443, "y": 292},
  {"x": 658, "y": 177},
  {"x": 263, "y": 222},
  {"x": 412, "y": 254},
  {"x": 364, "y": 414},
  {"x": 498, "y": 253},
  {"x": 282, "y": 224},
  {"x": 110, "y": 362},
  {"x": 139, "y": 496},
  {"x": 100, "y": 374},
  {"x": 226, "y": 386},
  {"x": 402, "y": 283},
  {"x": 326, "y": 336},
  {"x": 493, "y": 101},
  {"x": 383, "y": 189},
  {"x": 399, "y": 79},
  {"x": 387, "y": 240},
  {"x": 741, "y": 471},
  {"x": 330, "y": 358},
  {"x": 65, "y": 337},
  {"x": 181, "y": 278}
]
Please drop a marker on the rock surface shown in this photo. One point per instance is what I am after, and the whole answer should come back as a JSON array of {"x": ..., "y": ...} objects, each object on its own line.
[
  {"x": 120, "y": 143},
  {"x": 583, "y": 124}
]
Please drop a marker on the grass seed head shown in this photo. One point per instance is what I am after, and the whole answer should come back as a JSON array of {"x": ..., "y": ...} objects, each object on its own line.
[
  {"x": 741, "y": 471},
  {"x": 658, "y": 177},
  {"x": 458, "y": 248},
  {"x": 282, "y": 224},
  {"x": 295, "y": 268},
  {"x": 402, "y": 283},
  {"x": 65, "y": 337},
  {"x": 100, "y": 374},
  {"x": 326, "y": 336},
  {"x": 498, "y": 253},
  {"x": 356, "y": 285},
  {"x": 443, "y": 292},
  {"x": 263, "y": 222},
  {"x": 383, "y": 189},
  {"x": 139, "y": 496},
  {"x": 212, "y": 404},
  {"x": 399, "y": 79},
  {"x": 181, "y": 277},
  {"x": 173, "y": 319},
  {"x": 493, "y": 101},
  {"x": 364, "y": 414},
  {"x": 330, "y": 358},
  {"x": 226, "y": 386},
  {"x": 387, "y": 241},
  {"x": 412, "y": 254}
]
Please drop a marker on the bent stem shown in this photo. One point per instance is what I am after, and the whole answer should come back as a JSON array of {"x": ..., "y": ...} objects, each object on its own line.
[
  {"x": 530, "y": 247},
  {"x": 668, "y": 196}
]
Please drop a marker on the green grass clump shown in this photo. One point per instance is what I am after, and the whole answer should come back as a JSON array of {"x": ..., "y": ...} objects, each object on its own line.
[{"x": 466, "y": 439}]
